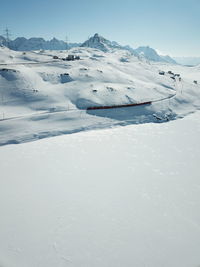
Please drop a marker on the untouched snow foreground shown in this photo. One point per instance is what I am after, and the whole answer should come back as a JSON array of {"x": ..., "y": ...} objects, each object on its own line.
[{"x": 128, "y": 196}]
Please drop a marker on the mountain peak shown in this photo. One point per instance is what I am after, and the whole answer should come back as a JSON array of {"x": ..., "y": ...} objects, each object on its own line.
[{"x": 97, "y": 42}]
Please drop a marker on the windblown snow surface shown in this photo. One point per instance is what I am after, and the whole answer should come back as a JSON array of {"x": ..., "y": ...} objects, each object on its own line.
[{"x": 125, "y": 193}]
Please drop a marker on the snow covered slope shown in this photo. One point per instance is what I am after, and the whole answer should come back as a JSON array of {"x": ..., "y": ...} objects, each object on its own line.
[
  {"x": 42, "y": 96},
  {"x": 168, "y": 59},
  {"x": 128, "y": 196},
  {"x": 151, "y": 54}
]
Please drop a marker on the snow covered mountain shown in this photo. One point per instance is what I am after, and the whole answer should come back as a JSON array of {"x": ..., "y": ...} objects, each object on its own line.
[
  {"x": 148, "y": 53},
  {"x": 2, "y": 41},
  {"x": 96, "y": 41},
  {"x": 151, "y": 54},
  {"x": 100, "y": 43},
  {"x": 168, "y": 59},
  {"x": 145, "y": 52},
  {"x": 23, "y": 44}
]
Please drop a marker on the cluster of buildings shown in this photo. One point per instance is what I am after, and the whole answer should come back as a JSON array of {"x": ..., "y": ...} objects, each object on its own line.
[{"x": 68, "y": 58}]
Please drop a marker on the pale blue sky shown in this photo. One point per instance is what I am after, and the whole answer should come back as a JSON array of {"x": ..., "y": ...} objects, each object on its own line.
[{"x": 173, "y": 27}]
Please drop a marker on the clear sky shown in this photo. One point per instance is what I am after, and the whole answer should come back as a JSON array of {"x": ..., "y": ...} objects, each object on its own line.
[{"x": 172, "y": 26}]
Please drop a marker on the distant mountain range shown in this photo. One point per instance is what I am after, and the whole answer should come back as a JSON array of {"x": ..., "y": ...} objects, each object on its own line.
[
  {"x": 189, "y": 61},
  {"x": 151, "y": 54},
  {"x": 96, "y": 41},
  {"x": 23, "y": 44},
  {"x": 146, "y": 52}
]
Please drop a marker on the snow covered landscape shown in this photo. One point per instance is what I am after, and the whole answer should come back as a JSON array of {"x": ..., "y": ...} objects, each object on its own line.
[
  {"x": 87, "y": 185},
  {"x": 44, "y": 95}
]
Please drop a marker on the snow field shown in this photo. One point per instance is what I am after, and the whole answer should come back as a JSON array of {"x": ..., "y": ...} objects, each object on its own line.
[
  {"x": 42, "y": 96},
  {"x": 127, "y": 196}
]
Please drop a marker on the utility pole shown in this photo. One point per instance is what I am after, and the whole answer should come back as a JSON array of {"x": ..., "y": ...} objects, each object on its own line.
[
  {"x": 7, "y": 35},
  {"x": 67, "y": 41}
]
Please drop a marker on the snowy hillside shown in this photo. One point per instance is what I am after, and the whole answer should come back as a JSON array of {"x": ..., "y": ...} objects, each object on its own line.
[
  {"x": 168, "y": 59},
  {"x": 126, "y": 196},
  {"x": 43, "y": 96}
]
